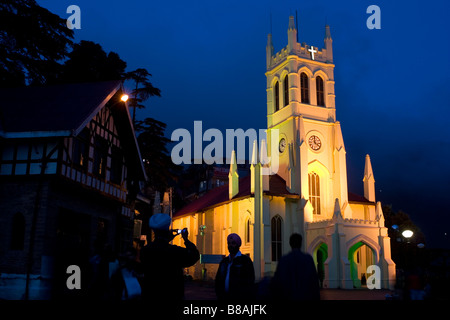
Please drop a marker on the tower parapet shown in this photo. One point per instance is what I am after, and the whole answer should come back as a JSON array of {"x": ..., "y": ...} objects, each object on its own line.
[{"x": 300, "y": 50}]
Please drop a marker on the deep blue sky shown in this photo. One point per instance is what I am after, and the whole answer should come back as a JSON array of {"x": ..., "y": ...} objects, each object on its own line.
[{"x": 208, "y": 59}]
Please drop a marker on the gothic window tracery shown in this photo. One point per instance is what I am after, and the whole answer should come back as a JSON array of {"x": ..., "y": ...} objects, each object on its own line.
[{"x": 314, "y": 191}]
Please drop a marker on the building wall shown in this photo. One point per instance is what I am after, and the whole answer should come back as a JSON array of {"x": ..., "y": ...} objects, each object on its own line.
[
  {"x": 220, "y": 221},
  {"x": 55, "y": 243}
]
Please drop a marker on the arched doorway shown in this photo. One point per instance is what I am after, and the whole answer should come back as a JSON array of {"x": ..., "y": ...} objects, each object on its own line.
[
  {"x": 360, "y": 256},
  {"x": 320, "y": 256}
]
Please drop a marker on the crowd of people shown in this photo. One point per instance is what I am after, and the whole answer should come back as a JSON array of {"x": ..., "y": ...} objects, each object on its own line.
[{"x": 157, "y": 274}]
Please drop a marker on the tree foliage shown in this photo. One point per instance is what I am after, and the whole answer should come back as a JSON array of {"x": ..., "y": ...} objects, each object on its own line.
[
  {"x": 405, "y": 252},
  {"x": 143, "y": 89},
  {"x": 88, "y": 62},
  {"x": 161, "y": 171},
  {"x": 32, "y": 43},
  {"x": 403, "y": 222}
]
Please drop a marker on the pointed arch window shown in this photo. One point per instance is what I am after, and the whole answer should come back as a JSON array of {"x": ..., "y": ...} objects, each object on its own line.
[
  {"x": 247, "y": 231},
  {"x": 276, "y": 228},
  {"x": 304, "y": 87},
  {"x": 314, "y": 192},
  {"x": 18, "y": 232},
  {"x": 320, "y": 92},
  {"x": 277, "y": 96},
  {"x": 286, "y": 90}
]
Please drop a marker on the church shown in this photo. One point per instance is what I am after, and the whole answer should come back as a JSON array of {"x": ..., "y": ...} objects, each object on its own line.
[{"x": 342, "y": 231}]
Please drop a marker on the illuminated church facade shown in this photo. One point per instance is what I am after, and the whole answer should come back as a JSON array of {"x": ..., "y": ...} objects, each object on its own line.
[{"x": 342, "y": 231}]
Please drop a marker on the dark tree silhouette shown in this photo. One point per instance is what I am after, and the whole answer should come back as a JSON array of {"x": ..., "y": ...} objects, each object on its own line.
[
  {"x": 404, "y": 252},
  {"x": 161, "y": 171},
  {"x": 32, "y": 42},
  {"x": 88, "y": 62},
  {"x": 143, "y": 89}
]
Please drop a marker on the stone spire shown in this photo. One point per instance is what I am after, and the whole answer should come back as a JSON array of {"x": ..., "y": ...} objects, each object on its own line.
[
  {"x": 328, "y": 44},
  {"x": 269, "y": 50},
  {"x": 369, "y": 181}
]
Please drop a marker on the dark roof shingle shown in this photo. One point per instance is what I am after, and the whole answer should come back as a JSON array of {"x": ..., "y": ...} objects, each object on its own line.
[{"x": 53, "y": 108}]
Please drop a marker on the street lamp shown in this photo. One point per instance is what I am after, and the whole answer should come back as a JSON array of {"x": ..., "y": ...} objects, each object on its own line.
[
  {"x": 124, "y": 97},
  {"x": 407, "y": 234}
]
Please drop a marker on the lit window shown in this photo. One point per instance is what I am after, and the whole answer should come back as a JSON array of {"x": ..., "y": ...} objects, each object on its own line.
[
  {"x": 100, "y": 156},
  {"x": 314, "y": 191},
  {"x": 247, "y": 231},
  {"x": 80, "y": 149}
]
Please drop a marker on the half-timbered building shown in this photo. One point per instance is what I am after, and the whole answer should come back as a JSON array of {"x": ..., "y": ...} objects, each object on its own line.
[{"x": 70, "y": 170}]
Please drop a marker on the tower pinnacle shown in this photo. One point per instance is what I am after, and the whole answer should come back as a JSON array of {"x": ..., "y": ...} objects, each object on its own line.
[
  {"x": 369, "y": 181},
  {"x": 328, "y": 44},
  {"x": 292, "y": 33}
]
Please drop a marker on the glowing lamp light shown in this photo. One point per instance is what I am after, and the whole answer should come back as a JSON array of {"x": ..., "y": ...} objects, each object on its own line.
[
  {"x": 407, "y": 234},
  {"x": 124, "y": 97}
]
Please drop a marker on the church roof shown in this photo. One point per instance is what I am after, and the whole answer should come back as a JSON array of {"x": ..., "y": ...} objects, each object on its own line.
[
  {"x": 220, "y": 195},
  {"x": 353, "y": 197},
  {"x": 56, "y": 110}
]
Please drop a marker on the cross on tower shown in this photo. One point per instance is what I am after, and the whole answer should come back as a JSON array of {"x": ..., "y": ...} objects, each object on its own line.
[{"x": 312, "y": 52}]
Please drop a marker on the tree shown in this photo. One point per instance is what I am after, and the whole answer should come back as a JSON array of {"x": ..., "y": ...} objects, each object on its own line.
[
  {"x": 404, "y": 252},
  {"x": 161, "y": 171},
  {"x": 143, "y": 89},
  {"x": 88, "y": 62},
  {"x": 32, "y": 42}
]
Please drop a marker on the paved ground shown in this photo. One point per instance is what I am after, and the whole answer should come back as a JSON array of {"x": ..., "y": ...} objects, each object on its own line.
[{"x": 205, "y": 291}]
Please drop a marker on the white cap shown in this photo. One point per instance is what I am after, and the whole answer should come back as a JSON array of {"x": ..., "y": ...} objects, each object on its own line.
[{"x": 160, "y": 221}]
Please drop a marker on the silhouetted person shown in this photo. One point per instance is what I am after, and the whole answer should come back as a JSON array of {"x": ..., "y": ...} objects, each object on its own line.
[
  {"x": 235, "y": 277},
  {"x": 104, "y": 265},
  {"x": 296, "y": 276},
  {"x": 126, "y": 282},
  {"x": 163, "y": 263}
]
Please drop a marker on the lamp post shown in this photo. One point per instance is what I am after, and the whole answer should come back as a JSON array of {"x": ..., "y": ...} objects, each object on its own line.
[{"x": 407, "y": 234}]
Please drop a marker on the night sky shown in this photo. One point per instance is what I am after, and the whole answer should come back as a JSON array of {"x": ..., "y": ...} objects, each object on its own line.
[{"x": 208, "y": 59}]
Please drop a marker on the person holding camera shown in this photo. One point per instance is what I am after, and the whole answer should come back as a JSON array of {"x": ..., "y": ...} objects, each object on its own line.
[{"x": 163, "y": 263}]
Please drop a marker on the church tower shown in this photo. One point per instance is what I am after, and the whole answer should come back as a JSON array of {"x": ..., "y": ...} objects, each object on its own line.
[
  {"x": 344, "y": 236},
  {"x": 301, "y": 105}
]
